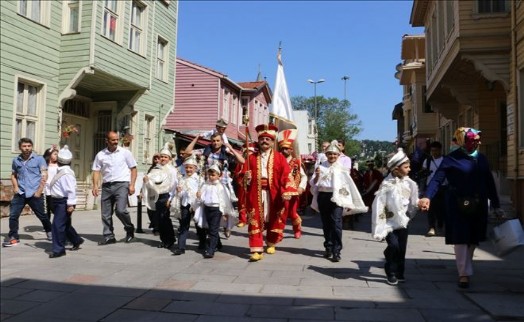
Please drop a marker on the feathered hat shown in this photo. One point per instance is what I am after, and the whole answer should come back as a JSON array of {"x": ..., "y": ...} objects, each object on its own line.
[
  {"x": 286, "y": 138},
  {"x": 166, "y": 150},
  {"x": 333, "y": 147},
  {"x": 64, "y": 155}
]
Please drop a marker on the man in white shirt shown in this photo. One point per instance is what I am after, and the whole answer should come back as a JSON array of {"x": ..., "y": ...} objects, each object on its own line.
[
  {"x": 436, "y": 212},
  {"x": 117, "y": 167}
]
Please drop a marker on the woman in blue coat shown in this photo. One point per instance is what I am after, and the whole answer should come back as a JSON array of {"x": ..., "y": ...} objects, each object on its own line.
[{"x": 470, "y": 184}]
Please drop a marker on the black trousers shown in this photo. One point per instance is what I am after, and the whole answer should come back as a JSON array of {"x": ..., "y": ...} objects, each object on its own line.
[
  {"x": 213, "y": 217},
  {"x": 395, "y": 253},
  {"x": 183, "y": 228},
  {"x": 331, "y": 216},
  {"x": 436, "y": 212},
  {"x": 165, "y": 225}
]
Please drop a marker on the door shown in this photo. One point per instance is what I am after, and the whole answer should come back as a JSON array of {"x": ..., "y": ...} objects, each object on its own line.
[{"x": 76, "y": 141}]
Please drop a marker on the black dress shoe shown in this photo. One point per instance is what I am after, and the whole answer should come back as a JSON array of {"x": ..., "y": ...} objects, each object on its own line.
[
  {"x": 161, "y": 245},
  {"x": 77, "y": 246},
  {"x": 208, "y": 255},
  {"x": 336, "y": 258},
  {"x": 56, "y": 255},
  {"x": 328, "y": 253},
  {"x": 463, "y": 282},
  {"x": 179, "y": 251},
  {"x": 129, "y": 237},
  {"x": 107, "y": 242}
]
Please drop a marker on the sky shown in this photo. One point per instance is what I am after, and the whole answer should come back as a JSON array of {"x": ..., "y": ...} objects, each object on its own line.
[{"x": 320, "y": 40}]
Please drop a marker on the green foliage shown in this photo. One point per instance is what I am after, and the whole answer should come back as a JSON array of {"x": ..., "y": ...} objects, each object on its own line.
[{"x": 333, "y": 117}]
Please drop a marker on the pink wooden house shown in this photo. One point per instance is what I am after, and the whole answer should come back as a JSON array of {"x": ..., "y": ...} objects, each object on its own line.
[{"x": 203, "y": 95}]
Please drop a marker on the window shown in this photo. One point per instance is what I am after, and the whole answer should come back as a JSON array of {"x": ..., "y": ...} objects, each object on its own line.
[
  {"x": 225, "y": 107},
  {"x": 71, "y": 21},
  {"x": 245, "y": 110},
  {"x": 149, "y": 135},
  {"x": 36, "y": 10},
  {"x": 28, "y": 111},
  {"x": 492, "y": 6},
  {"x": 450, "y": 16},
  {"x": 310, "y": 148},
  {"x": 111, "y": 27},
  {"x": 136, "y": 30},
  {"x": 520, "y": 113},
  {"x": 162, "y": 52}
]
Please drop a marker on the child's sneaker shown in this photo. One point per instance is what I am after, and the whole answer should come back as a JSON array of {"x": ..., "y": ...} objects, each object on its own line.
[
  {"x": 11, "y": 242},
  {"x": 392, "y": 280}
]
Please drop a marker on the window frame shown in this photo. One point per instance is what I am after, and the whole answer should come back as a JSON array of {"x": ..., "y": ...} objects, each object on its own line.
[
  {"x": 491, "y": 3},
  {"x": 164, "y": 60},
  {"x": 148, "y": 148},
  {"x": 38, "y": 118},
  {"x": 117, "y": 13},
  {"x": 66, "y": 16},
  {"x": 44, "y": 14},
  {"x": 141, "y": 28}
]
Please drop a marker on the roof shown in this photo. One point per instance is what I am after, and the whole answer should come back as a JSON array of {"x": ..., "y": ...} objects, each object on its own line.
[{"x": 252, "y": 85}]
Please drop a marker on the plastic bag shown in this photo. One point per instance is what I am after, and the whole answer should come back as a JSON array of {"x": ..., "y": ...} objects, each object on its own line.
[{"x": 507, "y": 236}]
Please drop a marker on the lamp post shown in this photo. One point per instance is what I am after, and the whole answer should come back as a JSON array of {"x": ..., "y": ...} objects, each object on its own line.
[
  {"x": 316, "y": 106},
  {"x": 345, "y": 79}
]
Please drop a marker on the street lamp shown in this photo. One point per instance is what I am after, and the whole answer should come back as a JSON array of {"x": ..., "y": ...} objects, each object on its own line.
[
  {"x": 345, "y": 79},
  {"x": 316, "y": 106}
]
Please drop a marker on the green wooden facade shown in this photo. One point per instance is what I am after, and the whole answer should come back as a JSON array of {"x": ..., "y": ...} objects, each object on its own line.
[{"x": 57, "y": 73}]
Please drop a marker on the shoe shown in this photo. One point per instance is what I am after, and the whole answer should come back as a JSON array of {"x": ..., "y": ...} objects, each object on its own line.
[
  {"x": 107, "y": 242},
  {"x": 179, "y": 251},
  {"x": 208, "y": 255},
  {"x": 227, "y": 233},
  {"x": 271, "y": 250},
  {"x": 49, "y": 236},
  {"x": 463, "y": 282},
  {"x": 392, "y": 280},
  {"x": 241, "y": 224},
  {"x": 55, "y": 255},
  {"x": 431, "y": 232},
  {"x": 161, "y": 245},
  {"x": 11, "y": 242},
  {"x": 336, "y": 258},
  {"x": 298, "y": 234},
  {"x": 401, "y": 278},
  {"x": 77, "y": 246},
  {"x": 129, "y": 237},
  {"x": 255, "y": 257},
  {"x": 327, "y": 253}
]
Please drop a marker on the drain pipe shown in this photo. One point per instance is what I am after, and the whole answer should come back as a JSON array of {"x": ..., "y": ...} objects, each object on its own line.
[{"x": 516, "y": 188}]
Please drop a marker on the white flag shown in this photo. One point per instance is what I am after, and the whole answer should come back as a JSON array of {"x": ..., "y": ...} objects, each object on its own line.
[{"x": 281, "y": 109}]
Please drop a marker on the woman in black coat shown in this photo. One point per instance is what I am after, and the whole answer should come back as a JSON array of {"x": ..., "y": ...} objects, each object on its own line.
[{"x": 470, "y": 184}]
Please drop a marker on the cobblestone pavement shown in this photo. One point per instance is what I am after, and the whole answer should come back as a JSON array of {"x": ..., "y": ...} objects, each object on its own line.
[{"x": 140, "y": 282}]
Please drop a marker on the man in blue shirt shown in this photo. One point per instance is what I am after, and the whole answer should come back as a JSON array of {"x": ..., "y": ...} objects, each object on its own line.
[{"x": 28, "y": 176}]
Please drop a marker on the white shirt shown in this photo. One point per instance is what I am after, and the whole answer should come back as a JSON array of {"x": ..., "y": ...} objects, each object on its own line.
[
  {"x": 434, "y": 164},
  {"x": 211, "y": 193},
  {"x": 114, "y": 166},
  {"x": 65, "y": 186},
  {"x": 325, "y": 182},
  {"x": 190, "y": 187},
  {"x": 264, "y": 158},
  {"x": 52, "y": 169}
]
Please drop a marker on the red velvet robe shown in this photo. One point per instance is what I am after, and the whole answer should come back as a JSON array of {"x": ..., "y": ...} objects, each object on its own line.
[{"x": 279, "y": 185}]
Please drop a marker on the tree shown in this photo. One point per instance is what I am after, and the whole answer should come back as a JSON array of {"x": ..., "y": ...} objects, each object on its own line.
[{"x": 334, "y": 120}]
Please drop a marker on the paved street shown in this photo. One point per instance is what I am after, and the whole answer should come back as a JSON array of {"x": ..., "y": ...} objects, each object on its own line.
[{"x": 139, "y": 282}]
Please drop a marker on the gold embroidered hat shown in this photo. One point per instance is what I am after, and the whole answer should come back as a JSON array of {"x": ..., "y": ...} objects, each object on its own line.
[
  {"x": 397, "y": 159},
  {"x": 333, "y": 147}
]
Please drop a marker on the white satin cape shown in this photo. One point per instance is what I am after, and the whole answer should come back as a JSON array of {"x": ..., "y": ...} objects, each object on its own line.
[{"x": 394, "y": 205}]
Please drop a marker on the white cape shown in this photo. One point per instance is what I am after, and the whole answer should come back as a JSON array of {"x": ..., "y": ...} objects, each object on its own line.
[
  {"x": 345, "y": 192},
  {"x": 394, "y": 205}
]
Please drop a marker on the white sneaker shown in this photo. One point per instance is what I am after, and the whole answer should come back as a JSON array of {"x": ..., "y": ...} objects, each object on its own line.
[{"x": 49, "y": 236}]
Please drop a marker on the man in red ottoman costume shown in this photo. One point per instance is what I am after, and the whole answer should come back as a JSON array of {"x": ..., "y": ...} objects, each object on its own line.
[{"x": 266, "y": 176}]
